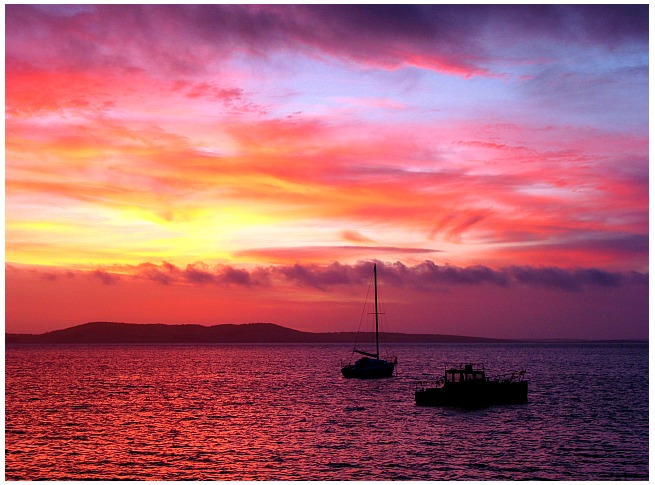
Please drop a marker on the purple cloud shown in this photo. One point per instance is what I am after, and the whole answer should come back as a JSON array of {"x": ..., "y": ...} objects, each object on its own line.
[
  {"x": 572, "y": 280},
  {"x": 199, "y": 273},
  {"x": 106, "y": 277},
  {"x": 229, "y": 275},
  {"x": 426, "y": 276},
  {"x": 181, "y": 38}
]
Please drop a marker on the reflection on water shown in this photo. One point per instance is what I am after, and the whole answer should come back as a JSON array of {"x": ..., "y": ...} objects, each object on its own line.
[{"x": 285, "y": 413}]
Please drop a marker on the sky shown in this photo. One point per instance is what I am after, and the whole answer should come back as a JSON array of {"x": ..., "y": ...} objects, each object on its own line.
[{"x": 238, "y": 163}]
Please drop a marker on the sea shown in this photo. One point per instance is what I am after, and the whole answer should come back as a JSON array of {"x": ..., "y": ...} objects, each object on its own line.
[{"x": 284, "y": 412}]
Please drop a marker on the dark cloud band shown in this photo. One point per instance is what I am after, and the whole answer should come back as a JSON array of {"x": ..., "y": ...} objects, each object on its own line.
[{"x": 424, "y": 276}]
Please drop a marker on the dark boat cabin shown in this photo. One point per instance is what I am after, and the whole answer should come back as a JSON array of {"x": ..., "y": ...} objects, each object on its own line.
[
  {"x": 468, "y": 373},
  {"x": 468, "y": 386}
]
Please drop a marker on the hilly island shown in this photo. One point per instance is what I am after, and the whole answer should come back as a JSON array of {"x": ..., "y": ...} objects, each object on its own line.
[{"x": 126, "y": 333}]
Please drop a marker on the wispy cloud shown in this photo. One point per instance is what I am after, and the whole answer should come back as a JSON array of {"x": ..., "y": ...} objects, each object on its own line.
[
  {"x": 322, "y": 253},
  {"x": 451, "y": 39}
]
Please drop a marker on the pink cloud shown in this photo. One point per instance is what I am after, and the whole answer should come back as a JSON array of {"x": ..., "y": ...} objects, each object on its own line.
[
  {"x": 382, "y": 103},
  {"x": 450, "y": 39},
  {"x": 146, "y": 114}
]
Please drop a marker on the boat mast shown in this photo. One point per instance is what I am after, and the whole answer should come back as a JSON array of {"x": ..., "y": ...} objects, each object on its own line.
[{"x": 377, "y": 337}]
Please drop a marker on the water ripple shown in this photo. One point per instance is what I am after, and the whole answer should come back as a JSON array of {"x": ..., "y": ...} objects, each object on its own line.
[{"x": 196, "y": 412}]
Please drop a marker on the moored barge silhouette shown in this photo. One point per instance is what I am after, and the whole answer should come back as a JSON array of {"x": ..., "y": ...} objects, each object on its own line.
[{"x": 468, "y": 386}]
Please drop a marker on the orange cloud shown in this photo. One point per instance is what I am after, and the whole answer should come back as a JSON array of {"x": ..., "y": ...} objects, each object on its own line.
[
  {"x": 98, "y": 167},
  {"x": 355, "y": 237}
]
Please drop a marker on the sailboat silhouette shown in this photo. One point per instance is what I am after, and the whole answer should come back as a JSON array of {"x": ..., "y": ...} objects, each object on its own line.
[{"x": 371, "y": 366}]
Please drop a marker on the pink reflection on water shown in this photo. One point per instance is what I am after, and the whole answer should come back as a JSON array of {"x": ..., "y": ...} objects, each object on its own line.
[{"x": 285, "y": 413}]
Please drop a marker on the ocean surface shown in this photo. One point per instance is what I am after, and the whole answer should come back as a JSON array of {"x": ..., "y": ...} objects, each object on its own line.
[{"x": 283, "y": 412}]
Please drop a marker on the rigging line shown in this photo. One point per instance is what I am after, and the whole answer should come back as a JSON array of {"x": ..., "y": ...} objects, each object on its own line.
[
  {"x": 384, "y": 327},
  {"x": 385, "y": 330},
  {"x": 361, "y": 318}
]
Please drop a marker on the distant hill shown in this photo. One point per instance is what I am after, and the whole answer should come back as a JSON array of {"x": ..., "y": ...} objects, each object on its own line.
[{"x": 132, "y": 333}]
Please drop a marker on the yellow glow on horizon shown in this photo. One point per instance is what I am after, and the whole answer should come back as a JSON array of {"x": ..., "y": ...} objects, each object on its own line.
[{"x": 133, "y": 235}]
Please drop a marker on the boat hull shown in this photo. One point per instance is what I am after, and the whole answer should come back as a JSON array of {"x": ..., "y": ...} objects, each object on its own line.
[
  {"x": 369, "y": 369},
  {"x": 475, "y": 395}
]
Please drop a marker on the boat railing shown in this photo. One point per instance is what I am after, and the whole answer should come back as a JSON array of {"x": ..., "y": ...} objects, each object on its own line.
[
  {"x": 463, "y": 366},
  {"x": 511, "y": 376},
  {"x": 423, "y": 385},
  {"x": 391, "y": 358}
]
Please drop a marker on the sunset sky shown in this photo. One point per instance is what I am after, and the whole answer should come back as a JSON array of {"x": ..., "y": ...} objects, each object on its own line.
[{"x": 238, "y": 163}]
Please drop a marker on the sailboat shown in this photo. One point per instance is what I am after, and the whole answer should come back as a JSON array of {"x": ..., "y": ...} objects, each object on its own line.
[{"x": 371, "y": 366}]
